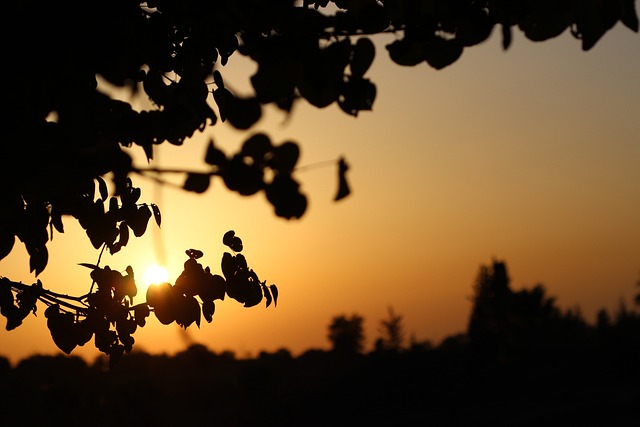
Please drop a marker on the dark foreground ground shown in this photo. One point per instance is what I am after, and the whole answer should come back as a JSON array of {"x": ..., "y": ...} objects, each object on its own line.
[{"x": 451, "y": 385}]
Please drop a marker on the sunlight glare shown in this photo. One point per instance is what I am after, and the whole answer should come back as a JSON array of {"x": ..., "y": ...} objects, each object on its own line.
[{"x": 155, "y": 274}]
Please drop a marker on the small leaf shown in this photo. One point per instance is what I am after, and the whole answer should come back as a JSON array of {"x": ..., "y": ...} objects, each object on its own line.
[
  {"x": 7, "y": 240},
  {"x": 138, "y": 220},
  {"x": 440, "y": 53},
  {"x": 214, "y": 156},
  {"x": 208, "y": 310},
  {"x": 102, "y": 188},
  {"x": 506, "y": 36},
  {"x": 197, "y": 182},
  {"x": 274, "y": 292},
  {"x": 364, "y": 52},
  {"x": 156, "y": 214},
  {"x": 286, "y": 156},
  {"x": 406, "y": 52},
  {"x": 244, "y": 112},
  {"x": 194, "y": 253},
  {"x": 628, "y": 14},
  {"x": 224, "y": 99},
  {"x": 257, "y": 146},
  {"x": 91, "y": 266},
  {"x": 343, "y": 185},
  {"x": 217, "y": 78},
  {"x": 38, "y": 258},
  {"x": 267, "y": 294},
  {"x": 232, "y": 241}
]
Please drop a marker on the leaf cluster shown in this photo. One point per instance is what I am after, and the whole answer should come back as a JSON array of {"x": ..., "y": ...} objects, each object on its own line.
[{"x": 108, "y": 315}]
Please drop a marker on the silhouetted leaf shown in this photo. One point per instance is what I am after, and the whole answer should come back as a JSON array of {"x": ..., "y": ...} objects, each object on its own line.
[
  {"x": 102, "y": 188},
  {"x": 275, "y": 79},
  {"x": 6, "y": 295},
  {"x": 406, "y": 52},
  {"x": 506, "y": 36},
  {"x": 213, "y": 288},
  {"x": 285, "y": 157},
  {"x": 257, "y": 146},
  {"x": 232, "y": 241},
  {"x": 62, "y": 329},
  {"x": 274, "y": 293},
  {"x": 194, "y": 253},
  {"x": 141, "y": 312},
  {"x": 244, "y": 112},
  {"x": 56, "y": 221},
  {"x": 83, "y": 333},
  {"x": 628, "y": 14},
  {"x": 283, "y": 193},
  {"x": 197, "y": 182},
  {"x": 357, "y": 95},
  {"x": 364, "y": 52},
  {"x": 224, "y": 99},
  {"x": 217, "y": 78},
  {"x": 244, "y": 177},
  {"x": 474, "y": 26},
  {"x": 7, "y": 240},
  {"x": 208, "y": 310},
  {"x": 440, "y": 53},
  {"x": 138, "y": 219},
  {"x": 547, "y": 19},
  {"x": 156, "y": 214},
  {"x": 323, "y": 72},
  {"x": 38, "y": 258},
  {"x": 267, "y": 294},
  {"x": 343, "y": 185},
  {"x": 91, "y": 266},
  {"x": 214, "y": 156},
  {"x": 187, "y": 311}
]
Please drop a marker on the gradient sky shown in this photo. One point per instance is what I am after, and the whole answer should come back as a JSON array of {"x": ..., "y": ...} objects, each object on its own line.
[{"x": 530, "y": 156}]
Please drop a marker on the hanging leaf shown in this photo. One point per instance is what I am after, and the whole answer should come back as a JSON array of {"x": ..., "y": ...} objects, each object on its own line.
[
  {"x": 156, "y": 213},
  {"x": 244, "y": 112},
  {"x": 214, "y": 156},
  {"x": 274, "y": 292},
  {"x": 197, "y": 182},
  {"x": 628, "y": 14},
  {"x": 232, "y": 241},
  {"x": 364, "y": 52},
  {"x": 440, "y": 53},
  {"x": 91, "y": 266},
  {"x": 267, "y": 294},
  {"x": 102, "y": 188},
  {"x": 406, "y": 52},
  {"x": 38, "y": 258},
  {"x": 343, "y": 185},
  {"x": 7, "y": 240},
  {"x": 217, "y": 78},
  {"x": 208, "y": 310}
]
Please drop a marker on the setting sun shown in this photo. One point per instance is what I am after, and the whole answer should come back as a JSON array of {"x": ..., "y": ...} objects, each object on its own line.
[{"x": 155, "y": 274}]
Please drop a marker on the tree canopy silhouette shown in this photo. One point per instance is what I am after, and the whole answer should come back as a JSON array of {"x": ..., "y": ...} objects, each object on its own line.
[{"x": 65, "y": 137}]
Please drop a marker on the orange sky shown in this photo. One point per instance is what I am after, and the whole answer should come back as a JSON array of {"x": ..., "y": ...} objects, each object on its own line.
[{"x": 530, "y": 156}]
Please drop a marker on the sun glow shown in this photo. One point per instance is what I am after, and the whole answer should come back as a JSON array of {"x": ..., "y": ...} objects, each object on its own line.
[{"x": 155, "y": 274}]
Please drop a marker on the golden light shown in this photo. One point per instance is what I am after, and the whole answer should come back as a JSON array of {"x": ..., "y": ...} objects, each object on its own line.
[{"x": 155, "y": 274}]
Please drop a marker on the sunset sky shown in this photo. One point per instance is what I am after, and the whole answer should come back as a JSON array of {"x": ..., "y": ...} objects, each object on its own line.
[{"x": 531, "y": 156}]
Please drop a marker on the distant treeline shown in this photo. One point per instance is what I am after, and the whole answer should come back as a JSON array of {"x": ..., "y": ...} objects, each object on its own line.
[{"x": 521, "y": 362}]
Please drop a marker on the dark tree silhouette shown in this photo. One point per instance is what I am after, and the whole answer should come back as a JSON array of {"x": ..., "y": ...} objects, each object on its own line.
[
  {"x": 392, "y": 334},
  {"x": 346, "y": 334},
  {"x": 65, "y": 137},
  {"x": 505, "y": 324}
]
